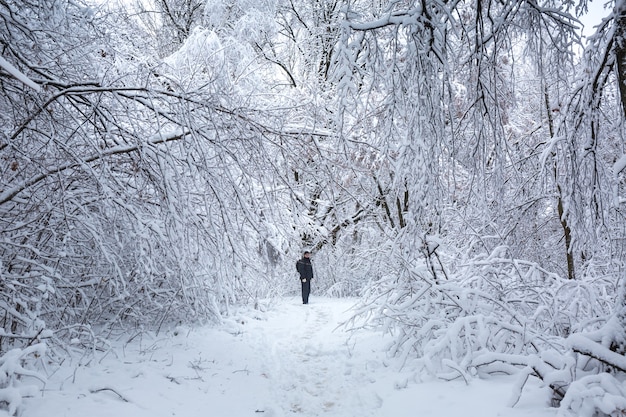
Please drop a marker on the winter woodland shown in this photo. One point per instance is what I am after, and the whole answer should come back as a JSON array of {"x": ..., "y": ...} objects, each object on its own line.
[{"x": 460, "y": 166}]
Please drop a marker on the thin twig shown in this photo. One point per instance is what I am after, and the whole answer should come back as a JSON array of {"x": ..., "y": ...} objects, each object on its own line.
[{"x": 95, "y": 391}]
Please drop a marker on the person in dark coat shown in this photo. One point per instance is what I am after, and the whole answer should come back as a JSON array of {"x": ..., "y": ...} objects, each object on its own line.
[{"x": 305, "y": 269}]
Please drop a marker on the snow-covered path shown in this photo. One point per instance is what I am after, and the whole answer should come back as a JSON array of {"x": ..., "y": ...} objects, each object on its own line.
[
  {"x": 291, "y": 360},
  {"x": 312, "y": 368}
]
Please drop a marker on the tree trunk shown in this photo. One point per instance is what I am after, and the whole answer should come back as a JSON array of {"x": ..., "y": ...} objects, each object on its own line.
[
  {"x": 567, "y": 231},
  {"x": 620, "y": 49}
]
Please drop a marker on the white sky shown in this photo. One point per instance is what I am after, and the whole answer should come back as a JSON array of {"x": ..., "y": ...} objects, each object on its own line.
[{"x": 596, "y": 12}]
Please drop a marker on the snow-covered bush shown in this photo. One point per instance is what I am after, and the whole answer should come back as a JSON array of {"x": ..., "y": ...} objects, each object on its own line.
[
  {"x": 446, "y": 324},
  {"x": 594, "y": 395},
  {"x": 496, "y": 315},
  {"x": 16, "y": 367}
]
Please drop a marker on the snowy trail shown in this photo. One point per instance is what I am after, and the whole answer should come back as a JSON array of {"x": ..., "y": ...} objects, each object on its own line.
[
  {"x": 312, "y": 369},
  {"x": 289, "y": 361}
]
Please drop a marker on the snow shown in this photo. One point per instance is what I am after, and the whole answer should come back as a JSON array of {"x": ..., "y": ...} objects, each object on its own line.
[
  {"x": 619, "y": 165},
  {"x": 288, "y": 360},
  {"x": 579, "y": 342},
  {"x": 7, "y": 66},
  {"x": 593, "y": 393}
]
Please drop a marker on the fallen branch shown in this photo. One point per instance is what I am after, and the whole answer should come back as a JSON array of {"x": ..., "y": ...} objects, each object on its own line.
[
  {"x": 585, "y": 346},
  {"x": 95, "y": 391}
]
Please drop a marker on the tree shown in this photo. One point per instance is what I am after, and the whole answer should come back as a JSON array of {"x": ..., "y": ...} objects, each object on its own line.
[
  {"x": 479, "y": 139},
  {"x": 620, "y": 50},
  {"x": 169, "y": 22},
  {"x": 122, "y": 196}
]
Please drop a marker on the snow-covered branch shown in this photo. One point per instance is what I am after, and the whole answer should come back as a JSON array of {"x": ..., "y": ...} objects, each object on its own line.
[
  {"x": 8, "y": 67},
  {"x": 585, "y": 346},
  {"x": 10, "y": 193}
]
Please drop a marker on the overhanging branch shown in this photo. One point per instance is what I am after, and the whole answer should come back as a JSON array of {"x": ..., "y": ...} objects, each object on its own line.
[{"x": 9, "y": 194}]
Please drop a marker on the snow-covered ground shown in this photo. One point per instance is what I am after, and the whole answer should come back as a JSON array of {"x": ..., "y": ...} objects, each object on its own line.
[{"x": 290, "y": 360}]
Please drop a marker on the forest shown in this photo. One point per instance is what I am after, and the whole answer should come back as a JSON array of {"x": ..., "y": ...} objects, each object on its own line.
[{"x": 458, "y": 165}]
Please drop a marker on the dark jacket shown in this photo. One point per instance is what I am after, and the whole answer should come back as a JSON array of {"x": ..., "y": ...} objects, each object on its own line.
[{"x": 305, "y": 269}]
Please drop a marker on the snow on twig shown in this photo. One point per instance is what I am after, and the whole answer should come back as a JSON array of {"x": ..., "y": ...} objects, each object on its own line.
[
  {"x": 585, "y": 346},
  {"x": 7, "y": 66}
]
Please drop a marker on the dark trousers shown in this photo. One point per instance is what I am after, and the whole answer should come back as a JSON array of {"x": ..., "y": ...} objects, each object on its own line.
[{"x": 306, "y": 290}]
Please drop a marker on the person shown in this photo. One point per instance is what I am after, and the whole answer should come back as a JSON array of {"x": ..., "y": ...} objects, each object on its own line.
[{"x": 305, "y": 269}]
